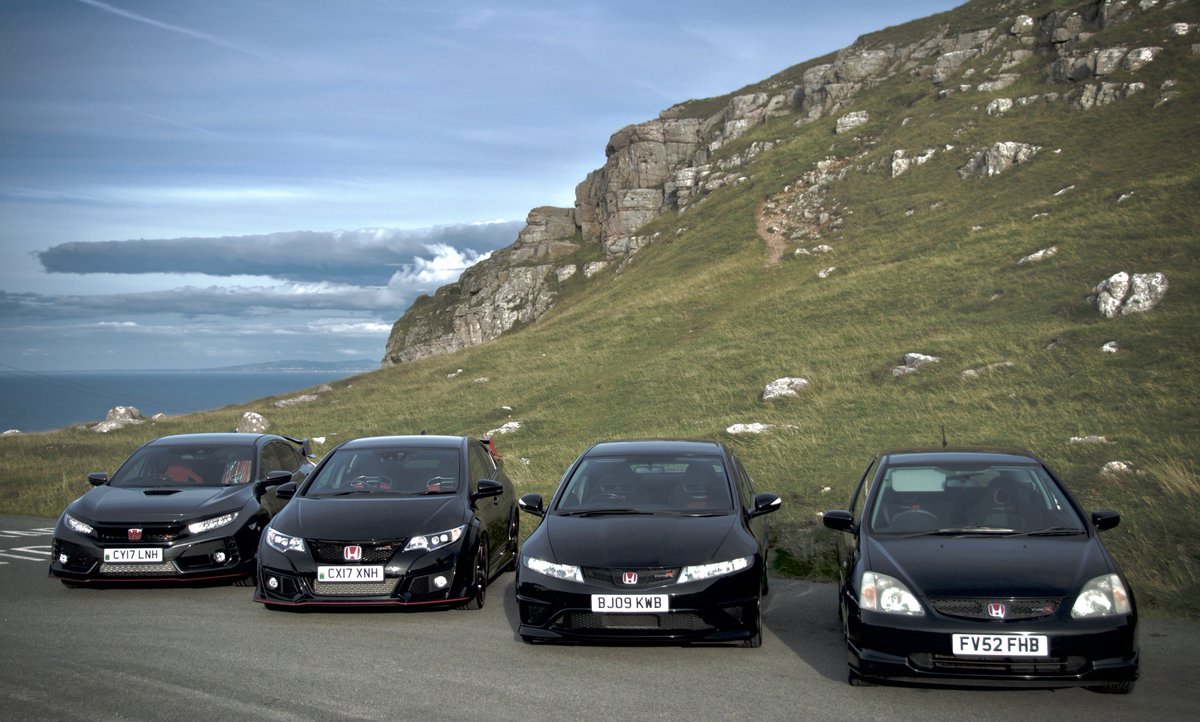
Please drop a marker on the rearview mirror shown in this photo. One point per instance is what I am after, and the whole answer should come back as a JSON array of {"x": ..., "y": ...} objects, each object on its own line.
[
  {"x": 488, "y": 487},
  {"x": 838, "y": 520},
  {"x": 764, "y": 503},
  {"x": 532, "y": 503},
  {"x": 1105, "y": 519}
]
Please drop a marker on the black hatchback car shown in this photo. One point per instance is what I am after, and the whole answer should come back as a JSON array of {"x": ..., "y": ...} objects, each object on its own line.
[
  {"x": 392, "y": 521},
  {"x": 187, "y": 507},
  {"x": 978, "y": 567},
  {"x": 647, "y": 540}
]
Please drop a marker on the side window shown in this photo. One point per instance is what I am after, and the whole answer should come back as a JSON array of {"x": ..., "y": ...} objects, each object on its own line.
[
  {"x": 477, "y": 465},
  {"x": 278, "y": 455},
  {"x": 860, "y": 492},
  {"x": 744, "y": 484}
]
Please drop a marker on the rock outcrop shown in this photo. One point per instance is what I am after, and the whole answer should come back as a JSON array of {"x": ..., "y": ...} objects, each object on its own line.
[{"x": 672, "y": 162}]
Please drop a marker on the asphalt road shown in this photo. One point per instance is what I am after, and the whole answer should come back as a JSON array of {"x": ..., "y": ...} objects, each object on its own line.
[{"x": 210, "y": 653}]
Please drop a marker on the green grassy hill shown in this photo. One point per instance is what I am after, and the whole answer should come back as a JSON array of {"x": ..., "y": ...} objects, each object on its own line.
[{"x": 682, "y": 340}]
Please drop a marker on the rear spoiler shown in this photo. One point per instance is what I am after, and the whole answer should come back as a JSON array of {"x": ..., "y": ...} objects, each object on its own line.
[{"x": 303, "y": 444}]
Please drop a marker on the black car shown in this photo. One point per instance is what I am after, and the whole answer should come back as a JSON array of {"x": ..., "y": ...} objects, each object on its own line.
[
  {"x": 978, "y": 567},
  {"x": 188, "y": 507},
  {"x": 647, "y": 540},
  {"x": 392, "y": 520}
]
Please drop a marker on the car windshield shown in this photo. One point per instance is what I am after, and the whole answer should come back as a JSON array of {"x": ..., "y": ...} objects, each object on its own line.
[
  {"x": 656, "y": 483},
  {"x": 407, "y": 471},
  {"x": 971, "y": 500},
  {"x": 185, "y": 465}
]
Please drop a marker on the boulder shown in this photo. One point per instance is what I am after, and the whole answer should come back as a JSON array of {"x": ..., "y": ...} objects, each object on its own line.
[
  {"x": 1122, "y": 294},
  {"x": 997, "y": 158},
  {"x": 785, "y": 387},
  {"x": 912, "y": 362},
  {"x": 253, "y": 423},
  {"x": 118, "y": 417},
  {"x": 850, "y": 121}
]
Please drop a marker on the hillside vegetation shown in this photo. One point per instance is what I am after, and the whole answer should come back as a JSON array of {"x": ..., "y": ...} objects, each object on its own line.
[{"x": 681, "y": 341}]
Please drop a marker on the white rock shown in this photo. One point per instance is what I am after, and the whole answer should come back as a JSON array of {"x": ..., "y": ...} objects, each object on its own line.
[
  {"x": 849, "y": 121},
  {"x": 974, "y": 373},
  {"x": 1039, "y": 255},
  {"x": 1089, "y": 439},
  {"x": 752, "y": 428},
  {"x": 253, "y": 423},
  {"x": 784, "y": 387},
  {"x": 1110, "y": 347},
  {"x": 565, "y": 272},
  {"x": 11, "y": 432},
  {"x": 825, "y": 272},
  {"x": 1114, "y": 468},
  {"x": 507, "y": 428},
  {"x": 1122, "y": 294},
  {"x": 1138, "y": 58},
  {"x": 593, "y": 268}
]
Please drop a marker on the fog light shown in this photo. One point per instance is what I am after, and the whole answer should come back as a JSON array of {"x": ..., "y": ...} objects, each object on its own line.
[
  {"x": 272, "y": 582},
  {"x": 62, "y": 558},
  {"x": 440, "y": 582},
  {"x": 219, "y": 557}
]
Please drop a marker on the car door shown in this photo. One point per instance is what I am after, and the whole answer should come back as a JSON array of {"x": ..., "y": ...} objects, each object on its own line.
[{"x": 491, "y": 510}]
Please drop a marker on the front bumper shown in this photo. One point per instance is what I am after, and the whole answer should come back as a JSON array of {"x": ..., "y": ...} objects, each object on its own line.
[
  {"x": 725, "y": 609},
  {"x": 920, "y": 650},
  {"x": 212, "y": 556},
  {"x": 410, "y": 579}
]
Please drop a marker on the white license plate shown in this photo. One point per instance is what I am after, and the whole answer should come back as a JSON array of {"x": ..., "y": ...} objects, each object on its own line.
[
  {"x": 350, "y": 574},
  {"x": 630, "y": 603},
  {"x": 142, "y": 555},
  {"x": 1001, "y": 645}
]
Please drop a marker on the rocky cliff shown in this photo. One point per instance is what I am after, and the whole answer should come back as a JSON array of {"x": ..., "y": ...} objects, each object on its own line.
[{"x": 667, "y": 164}]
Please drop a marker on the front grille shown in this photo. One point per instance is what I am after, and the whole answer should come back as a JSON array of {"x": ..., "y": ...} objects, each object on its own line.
[
  {"x": 140, "y": 570},
  {"x": 646, "y": 576},
  {"x": 978, "y": 608},
  {"x": 354, "y": 589},
  {"x": 668, "y": 622},
  {"x": 950, "y": 664},
  {"x": 151, "y": 533},
  {"x": 373, "y": 552}
]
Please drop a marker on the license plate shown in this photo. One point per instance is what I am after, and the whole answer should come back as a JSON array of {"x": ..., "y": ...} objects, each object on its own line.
[
  {"x": 630, "y": 603},
  {"x": 350, "y": 574},
  {"x": 143, "y": 555},
  {"x": 1001, "y": 645}
]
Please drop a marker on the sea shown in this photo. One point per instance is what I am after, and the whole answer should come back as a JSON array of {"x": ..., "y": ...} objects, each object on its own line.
[{"x": 54, "y": 400}]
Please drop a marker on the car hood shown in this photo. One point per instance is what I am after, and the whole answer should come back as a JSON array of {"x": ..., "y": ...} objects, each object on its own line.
[
  {"x": 366, "y": 518},
  {"x": 658, "y": 540},
  {"x": 990, "y": 566},
  {"x": 159, "y": 505}
]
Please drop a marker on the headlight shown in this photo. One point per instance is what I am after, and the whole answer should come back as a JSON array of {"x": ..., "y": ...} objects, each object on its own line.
[
  {"x": 569, "y": 572},
  {"x": 717, "y": 569},
  {"x": 283, "y": 542},
  {"x": 209, "y": 524},
  {"x": 1104, "y": 596},
  {"x": 882, "y": 593},
  {"x": 429, "y": 542},
  {"x": 77, "y": 526}
]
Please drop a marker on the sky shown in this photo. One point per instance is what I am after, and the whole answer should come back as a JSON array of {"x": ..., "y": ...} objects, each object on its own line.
[{"x": 205, "y": 183}]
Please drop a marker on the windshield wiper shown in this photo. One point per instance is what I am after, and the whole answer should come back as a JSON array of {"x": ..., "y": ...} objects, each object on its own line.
[
  {"x": 1055, "y": 531},
  {"x": 602, "y": 512},
  {"x": 965, "y": 531}
]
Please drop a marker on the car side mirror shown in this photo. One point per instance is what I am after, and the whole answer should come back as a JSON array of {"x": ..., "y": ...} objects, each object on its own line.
[
  {"x": 838, "y": 520},
  {"x": 98, "y": 478},
  {"x": 1105, "y": 519},
  {"x": 274, "y": 478},
  {"x": 532, "y": 503},
  {"x": 286, "y": 491},
  {"x": 764, "y": 503},
  {"x": 486, "y": 488}
]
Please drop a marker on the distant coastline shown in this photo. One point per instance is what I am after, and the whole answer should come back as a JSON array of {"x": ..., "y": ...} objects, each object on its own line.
[{"x": 44, "y": 401}]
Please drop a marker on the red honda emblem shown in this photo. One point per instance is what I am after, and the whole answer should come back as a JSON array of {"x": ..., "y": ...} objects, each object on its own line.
[
  {"x": 134, "y": 534},
  {"x": 352, "y": 553},
  {"x": 996, "y": 609},
  {"x": 629, "y": 577}
]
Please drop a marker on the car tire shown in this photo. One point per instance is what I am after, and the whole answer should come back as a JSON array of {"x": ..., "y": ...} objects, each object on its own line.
[
  {"x": 514, "y": 535},
  {"x": 1112, "y": 688},
  {"x": 755, "y": 640},
  {"x": 479, "y": 578}
]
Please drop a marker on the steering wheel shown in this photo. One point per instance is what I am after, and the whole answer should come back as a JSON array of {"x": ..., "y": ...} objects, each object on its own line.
[{"x": 914, "y": 515}]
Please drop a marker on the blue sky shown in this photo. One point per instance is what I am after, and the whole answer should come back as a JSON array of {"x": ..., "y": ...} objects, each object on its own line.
[{"x": 201, "y": 183}]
